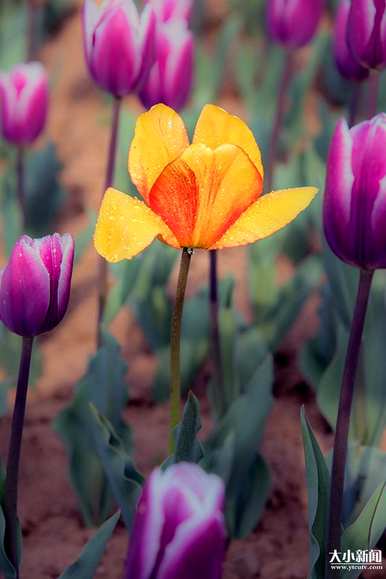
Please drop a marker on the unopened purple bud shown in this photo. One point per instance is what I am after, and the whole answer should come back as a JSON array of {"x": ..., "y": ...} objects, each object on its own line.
[
  {"x": 23, "y": 103},
  {"x": 35, "y": 284},
  {"x": 355, "y": 196},
  {"x": 366, "y": 32},
  {"x": 171, "y": 77},
  {"x": 119, "y": 44},
  {"x": 293, "y": 23},
  {"x": 347, "y": 65},
  {"x": 179, "y": 526}
]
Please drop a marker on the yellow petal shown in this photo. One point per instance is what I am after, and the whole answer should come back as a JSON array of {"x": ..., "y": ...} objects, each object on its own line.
[
  {"x": 160, "y": 137},
  {"x": 269, "y": 214},
  {"x": 216, "y": 127},
  {"x": 126, "y": 226}
]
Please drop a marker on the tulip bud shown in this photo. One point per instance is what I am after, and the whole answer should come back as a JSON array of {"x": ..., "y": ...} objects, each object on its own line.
[
  {"x": 366, "y": 32},
  {"x": 172, "y": 9},
  {"x": 179, "y": 526},
  {"x": 35, "y": 284},
  {"x": 355, "y": 200},
  {"x": 119, "y": 45},
  {"x": 347, "y": 65},
  {"x": 23, "y": 103},
  {"x": 171, "y": 77},
  {"x": 293, "y": 23}
]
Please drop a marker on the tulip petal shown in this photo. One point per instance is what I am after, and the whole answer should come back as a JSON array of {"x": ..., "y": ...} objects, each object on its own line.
[
  {"x": 66, "y": 267},
  {"x": 269, "y": 214},
  {"x": 197, "y": 550},
  {"x": 25, "y": 274},
  {"x": 216, "y": 127},
  {"x": 160, "y": 137},
  {"x": 201, "y": 194},
  {"x": 126, "y": 226}
]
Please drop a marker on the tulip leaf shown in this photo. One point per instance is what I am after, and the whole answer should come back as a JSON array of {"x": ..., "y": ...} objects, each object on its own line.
[
  {"x": 231, "y": 452},
  {"x": 44, "y": 193},
  {"x": 318, "y": 481},
  {"x": 124, "y": 480},
  {"x": 365, "y": 532},
  {"x": 6, "y": 566},
  {"x": 188, "y": 448},
  {"x": 86, "y": 566},
  {"x": 83, "y": 239},
  {"x": 103, "y": 385}
]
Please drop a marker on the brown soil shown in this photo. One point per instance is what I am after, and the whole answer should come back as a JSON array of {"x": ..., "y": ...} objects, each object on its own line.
[{"x": 52, "y": 528}]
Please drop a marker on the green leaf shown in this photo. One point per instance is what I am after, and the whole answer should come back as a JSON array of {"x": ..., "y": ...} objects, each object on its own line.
[
  {"x": 318, "y": 481},
  {"x": 367, "y": 529},
  {"x": 231, "y": 452},
  {"x": 188, "y": 449},
  {"x": 83, "y": 239},
  {"x": 124, "y": 480},
  {"x": 87, "y": 564},
  {"x": 103, "y": 385},
  {"x": 44, "y": 193}
]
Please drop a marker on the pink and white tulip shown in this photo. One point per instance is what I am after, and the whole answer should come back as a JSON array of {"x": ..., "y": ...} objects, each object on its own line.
[
  {"x": 171, "y": 77},
  {"x": 355, "y": 196},
  {"x": 347, "y": 65},
  {"x": 179, "y": 526},
  {"x": 119, "y": 44},
  {"x": 35, "y": 284},
  {"x": 23, "y": 103},
  {"x": 366, "y": 32}
]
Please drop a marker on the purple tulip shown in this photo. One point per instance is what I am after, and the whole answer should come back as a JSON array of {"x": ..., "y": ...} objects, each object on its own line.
[
  {"x": 366, "y": 32},
  {"x": 171, "y": 77},
  {"x": 23, "y": 103},
  {"x": 119, "y": 45},
  {"x": 179, "y": 526},
  {"x": 35, "y": 284},
  {"x": 172, "y": 9},
  {"x": 293, "y": 23},
  {"x": 347, "y": 65},
  {"x": 355, "y": 196}
]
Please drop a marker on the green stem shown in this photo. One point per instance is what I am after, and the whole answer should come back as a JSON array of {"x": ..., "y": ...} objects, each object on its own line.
[
  {"x": 343, "y": 419},
  {"x": 12, "y": 476},
  {"x": 215, "y": 334},
  {"x": 175, "y": 344},
  {"x": 102, "y": 263}
]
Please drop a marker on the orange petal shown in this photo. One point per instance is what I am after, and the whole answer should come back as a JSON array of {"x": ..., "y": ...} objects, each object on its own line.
[
  {"x": 269, "y": 214},
  {"x": 201, "y": 194},
  {"x": 126, "y": 226},
  {"x": 160, "y": 137},
  {"x": 216, "y": 127},
  {"x": 174, "y": 197}
]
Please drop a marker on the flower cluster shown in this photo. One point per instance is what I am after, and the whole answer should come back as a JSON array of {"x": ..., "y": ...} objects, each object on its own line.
[{"x": 151, "y": 53}]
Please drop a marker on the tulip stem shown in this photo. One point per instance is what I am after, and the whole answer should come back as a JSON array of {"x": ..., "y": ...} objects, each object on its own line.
[
  {"x": 31, "y": 29},
  {"x": 175, "y": 345},
  {"x": 20, "y": 184},
  {"x": 278, "y": 119},
  {"x": 373, "y": 93},
  {"x": 215, "y": 334},
  {"x": 11, "y": 539},
  {"x": 102, "y": 263},
  {"x": 343, "y": 418}
]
